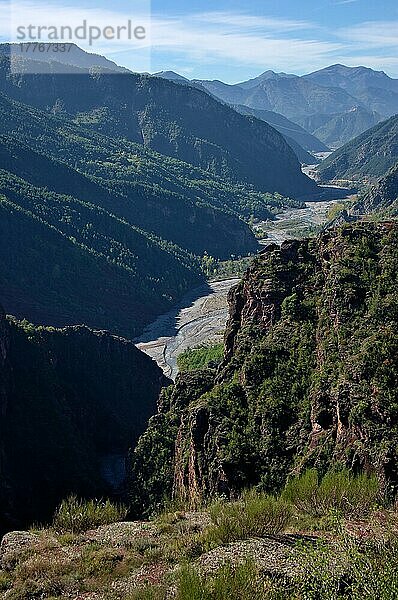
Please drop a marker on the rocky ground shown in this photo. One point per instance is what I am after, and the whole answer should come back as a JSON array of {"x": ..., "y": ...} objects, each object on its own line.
[
  {"x": 143, "y": 560},
  {"x": 116, "y": 561}
]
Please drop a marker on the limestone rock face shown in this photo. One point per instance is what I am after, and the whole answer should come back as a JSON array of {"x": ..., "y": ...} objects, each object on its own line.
[{"x": 310, "y": 373}]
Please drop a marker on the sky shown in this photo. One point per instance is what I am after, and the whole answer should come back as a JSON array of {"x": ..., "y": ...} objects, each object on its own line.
[{"x": 231, "y": 40}]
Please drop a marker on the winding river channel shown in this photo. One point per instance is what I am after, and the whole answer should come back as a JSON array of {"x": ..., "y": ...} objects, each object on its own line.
[{"x": 202, "y": 314}]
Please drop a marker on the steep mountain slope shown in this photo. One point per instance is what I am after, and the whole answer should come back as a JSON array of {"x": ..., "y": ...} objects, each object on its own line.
[
  {"x": 172, "y": 76},
  {"x": 374, "y": 89},
  {"x": 287, "y": 128},
  {"x": 309, "y": 376},
  {"x": 367, "y": 157},
  {"x": 303, "y": 156},
  {"x": 75, "y": 57},
  {"x": 71, "y": 400},
  {"x": 64, "y": 261},
  {"x": 297, "y": 138},
  {"x": 293, "y": 97},
  {"x": 337, "y": 130},
  {"x": 175, "y": 120},
  {"x": 382, "y": 198}
]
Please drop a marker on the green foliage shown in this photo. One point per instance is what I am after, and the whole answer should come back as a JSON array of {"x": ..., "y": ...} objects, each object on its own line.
[
  {"x": 335, "y": 210},
  {"x": 77, "y": 516},
  {"x": 349, "y": 570},
  {"x": 310, "y": 377},
  {"x": 351, "y": 495},
  {"x": 199, "y": 358},
  {"x": 367, "y": 157},
  {"x": 239, "y": 582},
  {"x": 255, "y": 515}
]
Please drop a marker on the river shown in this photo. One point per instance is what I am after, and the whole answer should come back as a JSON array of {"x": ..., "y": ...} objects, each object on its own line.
[{"x": 201, "y": 316}]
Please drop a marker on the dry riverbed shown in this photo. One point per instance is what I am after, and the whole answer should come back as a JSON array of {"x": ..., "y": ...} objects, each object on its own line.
[{"x": 200, "y": 318}]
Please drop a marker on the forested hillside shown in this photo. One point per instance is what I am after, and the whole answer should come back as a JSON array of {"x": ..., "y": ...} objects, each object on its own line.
[
  {"x": 382, "y": 198},
  {"x": 365, "y": 158},
  {"x": 123, "y": 224},
  {"x": 175, "y": 120}
]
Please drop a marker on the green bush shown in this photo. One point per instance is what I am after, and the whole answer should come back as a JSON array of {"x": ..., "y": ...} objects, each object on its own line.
[
  {"x": 256, "y": 515},
  {"x": 230, "y": 582},
  {"x": 199, "y": 358},
  {"x": 76, "y": 516},
  {"x": 352, "y": 495},
  {"x": 348, "y": 569}
]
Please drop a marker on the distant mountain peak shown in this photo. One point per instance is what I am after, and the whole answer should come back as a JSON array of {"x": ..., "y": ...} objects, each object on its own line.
[
  {"x": 266, "y": 76},
  {"x": 172, "y": 75},
  {"x": 76, "y": 57}
]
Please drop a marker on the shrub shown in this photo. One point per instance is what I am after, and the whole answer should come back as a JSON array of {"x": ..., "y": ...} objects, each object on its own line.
[
  {"x": 348, "y": 569},
  {"x": 255, "y": 515},
  {"x": 76, "y": 516},
  {"x": 200, "y": 358},
  {"x": 230, "y": 582},
  {"x": 352, "y": 495}
]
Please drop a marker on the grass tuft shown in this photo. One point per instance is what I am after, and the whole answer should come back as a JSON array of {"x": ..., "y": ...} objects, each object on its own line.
[
  {"x": 255, "y": 515},
  {"x": 351, "y": 495},
  {"x": 77, "y": 516}
]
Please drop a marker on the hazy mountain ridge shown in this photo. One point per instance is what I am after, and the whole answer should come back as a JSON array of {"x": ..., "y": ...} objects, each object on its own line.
[
  {"x": 376, "y": 91},
  {"x": 321, "y": 102},
  {"x": 365, "y": 158},
  {"x": 336, "y": 130},
  {"x": 74, "y": 57}
]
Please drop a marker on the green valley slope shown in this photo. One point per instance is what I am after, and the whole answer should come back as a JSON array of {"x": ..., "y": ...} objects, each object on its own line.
[
  {"x": 105, "y": 232},
  {"x": 365, "y": 158},
  {"x": 175, "y": 120}
]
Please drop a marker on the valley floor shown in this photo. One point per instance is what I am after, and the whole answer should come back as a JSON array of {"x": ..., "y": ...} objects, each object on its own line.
[{"x": 199, "y": 319}]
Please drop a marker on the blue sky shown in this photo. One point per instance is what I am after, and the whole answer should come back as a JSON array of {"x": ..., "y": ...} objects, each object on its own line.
[{"x": 236, "y": 40}]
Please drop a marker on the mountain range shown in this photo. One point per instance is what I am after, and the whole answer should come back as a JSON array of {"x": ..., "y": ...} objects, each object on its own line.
[
  {"x": 334, "y": 104},
  {"x": 87, "y": 199}
]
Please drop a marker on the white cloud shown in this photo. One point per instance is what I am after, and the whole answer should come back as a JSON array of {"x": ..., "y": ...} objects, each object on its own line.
[
  {"x": 244, "y": 20},
  {"x": 375, "y": 34},
  {"x": 340, "y": 2},
  {"x": 242, "y": 39}
]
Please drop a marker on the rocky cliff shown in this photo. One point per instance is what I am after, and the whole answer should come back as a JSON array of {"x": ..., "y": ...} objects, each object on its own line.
[
  {"x": 72, "y": 402},
  {"x": 310, "y": 374},
  {"x": 382, "y": 197}
]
